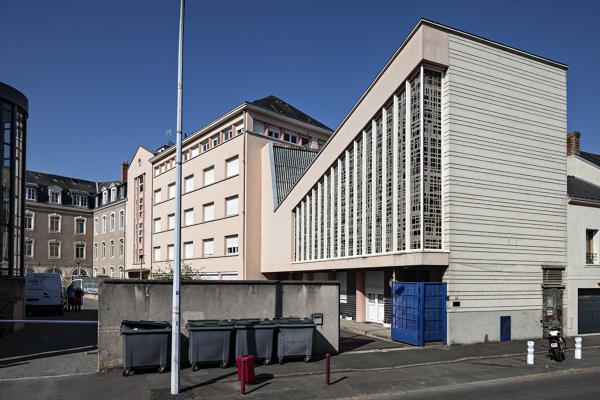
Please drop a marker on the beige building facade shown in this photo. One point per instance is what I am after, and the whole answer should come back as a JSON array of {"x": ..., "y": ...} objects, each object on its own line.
[
  {"x": 221, "y": 192},
  {"x": 446, "y": 170}
]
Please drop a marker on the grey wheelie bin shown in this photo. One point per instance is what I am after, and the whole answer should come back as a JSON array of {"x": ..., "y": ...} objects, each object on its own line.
[
  {"x": 209, "y": 342},
  {"x": 253, "y": 336},
  {"x": 295, "y": 338},
  {"x": 145, "y": 345}
]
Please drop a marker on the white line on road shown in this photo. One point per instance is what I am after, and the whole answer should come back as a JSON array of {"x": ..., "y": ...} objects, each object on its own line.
[
  {"x": 25, "y": 378},
  {"x": 73, "y": 349}
]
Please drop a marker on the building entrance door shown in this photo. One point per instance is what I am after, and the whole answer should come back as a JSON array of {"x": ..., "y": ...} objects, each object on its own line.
[
  {"x": 375, "y": 307},
  {"x": 552, "y": 312}
]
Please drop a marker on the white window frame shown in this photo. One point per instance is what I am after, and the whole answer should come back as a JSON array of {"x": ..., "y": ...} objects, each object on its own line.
[
  {"x": 79, "y": 200},
  {"x": 54, "y": 241},
  {"x": 205, "y": 242},
  {"x": 232, "y": 166},
  {"x": 208, "y": 172},
  {"x": 52, "y": 192},
  {"x": 172, "y": 191},
  {"x": 188, "y": 217},
  {"x": 157, "y": 225},
  {"x": 75, "y": 220},
  {"x": 111, "y": 250},
  {"x": 188, "y": 183},
  {"x": 239, "y": 129},
  {"x": 171, "y": 225},
  {"x": 104, "y": 225},
  {"x": 28, "y": 191},
  {"x": 229, "y": 201},
  {"x": 95, "y": 250},
  {"x": 188, "y": 250},
  {"x": 157, "y": 196},
  {"x": 32, "y": 214},
  {"x": 121, "y": 219},
  {"x": 75, "y": 250},
  {"x": 206, "y": 216},
  {"x": 156, "y": 254},
  {"x": 121, "y": 248},
  {"x": 104, "y": 197},
  {"x": 32, "y": 241},
  {"x": 50, "y": 223},
  {"x": 96, "y": 223},
  {"x": 235, "y": 250},
  {"x": 103, "y": 250},
  {"x": 170, "y": 252},
  {"x": 195, "y": 151},
  {"x": 113, "y": 221}
]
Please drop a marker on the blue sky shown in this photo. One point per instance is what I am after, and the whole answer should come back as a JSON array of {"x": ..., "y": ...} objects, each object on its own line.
[{"x": 101, "y": 76}]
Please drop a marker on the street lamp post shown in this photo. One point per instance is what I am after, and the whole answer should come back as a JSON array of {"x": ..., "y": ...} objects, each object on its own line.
[{"x": 177, "y": 267}]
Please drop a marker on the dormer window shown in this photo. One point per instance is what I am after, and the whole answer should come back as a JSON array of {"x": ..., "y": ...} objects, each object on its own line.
[
  {"x": 31, "y": 193},
  {"x": 54, "y": 196},
  {"x": 80, "y": 200},
  {"x": 104, "y": 197},
  {"x": 113, "y": 194}
]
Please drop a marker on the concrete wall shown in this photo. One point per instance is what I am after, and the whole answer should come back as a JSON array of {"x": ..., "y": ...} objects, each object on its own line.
[
  {"x": 504, "y": 187},
  {"x": 583, "y": 169},
  {"x": 12, "y": 303},
  {"x": 151, "y": 300}
]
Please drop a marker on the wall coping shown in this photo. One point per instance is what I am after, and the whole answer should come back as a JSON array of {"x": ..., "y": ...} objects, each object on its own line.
[{"x": 208, "y": 282}]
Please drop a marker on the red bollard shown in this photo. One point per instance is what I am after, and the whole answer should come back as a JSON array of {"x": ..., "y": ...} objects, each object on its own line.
[
  {"x": 243, "y": 380},
  {"x": 327, "y": 372}
]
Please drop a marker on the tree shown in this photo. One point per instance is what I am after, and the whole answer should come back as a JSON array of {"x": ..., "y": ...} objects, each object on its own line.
[{"x": 187, "y": 273}]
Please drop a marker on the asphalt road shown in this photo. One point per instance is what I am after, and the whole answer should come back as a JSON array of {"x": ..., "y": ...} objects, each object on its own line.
[{"x": 52, "y": 350}]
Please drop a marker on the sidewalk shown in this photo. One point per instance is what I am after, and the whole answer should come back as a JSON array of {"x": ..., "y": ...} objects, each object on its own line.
[
  {"x": 358, "y": 374},
  {"x": 366, "y": 328}
]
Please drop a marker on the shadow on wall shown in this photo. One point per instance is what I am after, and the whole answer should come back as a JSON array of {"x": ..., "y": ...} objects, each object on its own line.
[{"x": 151, "y": 300}]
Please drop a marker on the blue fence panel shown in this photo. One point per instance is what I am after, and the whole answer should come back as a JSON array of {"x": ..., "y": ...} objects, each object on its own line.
[
  {"x": 406, "y": 312},
  {"x": 418, "y": 312}
]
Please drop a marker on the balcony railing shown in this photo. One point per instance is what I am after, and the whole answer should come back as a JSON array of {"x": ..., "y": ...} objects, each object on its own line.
[{"x": 591, "y": 258}]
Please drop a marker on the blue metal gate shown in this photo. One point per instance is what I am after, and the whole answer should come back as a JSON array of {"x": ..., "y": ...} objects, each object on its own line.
[{"x": 419, "y": 312}]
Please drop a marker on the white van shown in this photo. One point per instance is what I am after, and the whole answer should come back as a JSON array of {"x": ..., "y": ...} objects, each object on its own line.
[{"x": 45, "y": 291}]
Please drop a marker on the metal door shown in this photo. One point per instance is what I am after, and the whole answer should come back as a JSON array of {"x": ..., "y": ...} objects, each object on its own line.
[
  {"x": 588, "y": 311},
  {"x": 552, "y": 312},
  {"x": 418, "y": 312},
  {"x": 375, "y": 309}
]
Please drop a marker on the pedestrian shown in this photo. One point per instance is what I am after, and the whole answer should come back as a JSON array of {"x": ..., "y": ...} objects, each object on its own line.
[
  {"x": 70, "y": 298},
  {"x": 78, "y": 299}
]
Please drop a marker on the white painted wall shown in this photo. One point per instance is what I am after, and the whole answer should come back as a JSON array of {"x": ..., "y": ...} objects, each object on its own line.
[
  {"x": 504, "y": 187},
  {"x": 583, "y": 169}
]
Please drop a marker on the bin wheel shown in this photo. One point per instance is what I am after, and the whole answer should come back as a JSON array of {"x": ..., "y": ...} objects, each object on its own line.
[
  {"x": 195, "y": 367},
  {"x": 307, "y": 359},
  {"x": 162, "y": 370},
  {"x": 126, "y": 372},
  {"x": 224, "y": 364},
  {"x": 280, "y": 360},
  {"x": 267, "y": 361}
]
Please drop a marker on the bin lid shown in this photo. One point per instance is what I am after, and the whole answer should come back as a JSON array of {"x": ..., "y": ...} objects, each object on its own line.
[
  {"x": 295, "y": 321},
  {"x": 206, "y": 323},
  {"x": 143, "y": 324},
  {"x": 246, "y": 322}
]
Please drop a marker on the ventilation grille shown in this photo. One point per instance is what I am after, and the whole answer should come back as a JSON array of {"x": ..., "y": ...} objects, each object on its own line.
[{"x": 553, "y": 278}]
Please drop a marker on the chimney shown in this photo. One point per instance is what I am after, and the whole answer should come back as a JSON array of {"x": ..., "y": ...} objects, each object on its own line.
[
  {"x": 573, "y": 143},
  {"x": 124, "y": 169}
]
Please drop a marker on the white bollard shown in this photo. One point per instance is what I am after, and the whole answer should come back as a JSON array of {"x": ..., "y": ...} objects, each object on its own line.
[
  {"x": 530, "y": 352},
  {"x": 578, "y": 348}
]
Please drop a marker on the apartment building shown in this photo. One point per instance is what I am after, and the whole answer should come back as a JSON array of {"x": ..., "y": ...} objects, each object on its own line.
[
  {"x": 221, "y": 191},
  {"x": 57, "y": 219},
  {"x": 109, "y": 227},
  {"x": 450, "y": 169},
  {"x": 582, "y": 284}
]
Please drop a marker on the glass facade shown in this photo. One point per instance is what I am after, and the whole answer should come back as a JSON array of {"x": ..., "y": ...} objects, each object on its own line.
[
  {"x": 13, "y": 120},
  {"x": 383, "y": 192}
]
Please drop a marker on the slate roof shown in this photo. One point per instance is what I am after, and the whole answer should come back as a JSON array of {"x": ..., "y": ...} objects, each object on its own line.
[
  {"x": 290, "y": 164},
  {"x": 43, "y": 179},
  {"x": 591, "y": 157},
  {"x": 275, "y": 104},
  {"x": 578, "y": 189}
]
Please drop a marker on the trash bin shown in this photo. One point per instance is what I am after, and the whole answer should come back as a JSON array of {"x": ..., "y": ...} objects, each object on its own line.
[
  {"x": 295, "y": 338},
  {"x": 253, "y": 336},
  {"x": 209, "y": 342},
  {"x": 145, "y": 345}
]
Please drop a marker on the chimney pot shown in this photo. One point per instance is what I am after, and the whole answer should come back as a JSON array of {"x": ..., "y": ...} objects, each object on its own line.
[
  {"x": 124, "y": 169},
  {"x": 573, "y": 139}
]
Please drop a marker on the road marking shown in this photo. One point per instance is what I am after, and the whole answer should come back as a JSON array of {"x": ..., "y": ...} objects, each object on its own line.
[
  {"x": 74, "y": 349},
  {"x": 25, "y": 378}
]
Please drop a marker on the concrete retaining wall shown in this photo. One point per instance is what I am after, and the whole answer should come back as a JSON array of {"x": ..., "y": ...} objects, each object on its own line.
[
  {"x": 151, "y": 300},
  {"x": 12, "y": 303}
]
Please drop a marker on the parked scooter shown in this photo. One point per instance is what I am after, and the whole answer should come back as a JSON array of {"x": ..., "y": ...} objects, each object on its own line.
[{"x": 557, "y": 344}]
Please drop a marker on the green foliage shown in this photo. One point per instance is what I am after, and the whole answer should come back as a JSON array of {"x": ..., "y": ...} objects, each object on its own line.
[{"x": 187, "y": 274}]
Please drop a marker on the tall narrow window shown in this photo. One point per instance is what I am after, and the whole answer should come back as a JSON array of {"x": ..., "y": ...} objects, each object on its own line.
[
  {"x": 54, "y": 224},
  {"x": 171, "y": 252},
  {"x": 121, "y": 219},
  {"x": 121, "y": 247},
  {"x": 189, "y": 183},
  {"x": 80, "y": 251},
  {"x": 157, "y": 227},
  {"x": 233, "y": 167},
  {"x": 208, "y": 247},
  {"x": 157, "y": 196},
  {"x": 209, "y": 176},
  {"x": 157, "y": 254},
  {"x": 80, "y": 226},
  {"x": 188, "y": 250},
  {"x": 231, "y": 205},
  {"x": 591, "y": 246},
  {"x": 209, "y": 212},
  {"x": 171, "y": 219},
  {"x": 112, "y": 249},
  {"x": 188, "y": 217},
  {"x": 172, "y": 191},
  {"x": 29, "y": 220},
  {"x": 54, "y": 249},
  {"x": 112, "y": 222},
  {"x": 231, "y": 244}
]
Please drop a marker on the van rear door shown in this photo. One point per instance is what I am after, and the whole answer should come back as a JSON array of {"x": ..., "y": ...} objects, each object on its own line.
[
  {"x": 35, "y": 288},
  {"x": 52, "y": 291}
]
